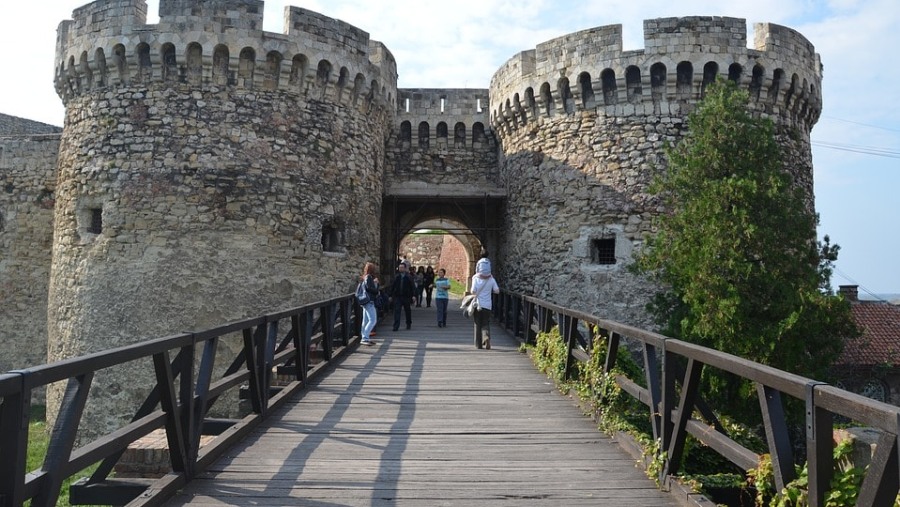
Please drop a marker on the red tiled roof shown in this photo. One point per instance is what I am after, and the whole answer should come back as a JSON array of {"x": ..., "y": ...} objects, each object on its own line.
[{"x": 880, "y": 340}]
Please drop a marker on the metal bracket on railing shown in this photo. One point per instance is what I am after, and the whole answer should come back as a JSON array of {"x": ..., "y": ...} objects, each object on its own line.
[{"x": 811, "y": 406}]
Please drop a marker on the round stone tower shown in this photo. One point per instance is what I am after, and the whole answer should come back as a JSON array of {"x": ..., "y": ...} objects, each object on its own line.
[
  {"x": 582, "y": 126},
  {"x": 209, "y": 171}
]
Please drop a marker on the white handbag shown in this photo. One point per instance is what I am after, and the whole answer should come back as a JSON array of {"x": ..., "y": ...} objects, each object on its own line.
[{"x": 470, "y": 302}]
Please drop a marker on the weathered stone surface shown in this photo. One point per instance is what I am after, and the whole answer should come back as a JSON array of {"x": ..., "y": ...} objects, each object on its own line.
[{"x": 27, "y": 198}]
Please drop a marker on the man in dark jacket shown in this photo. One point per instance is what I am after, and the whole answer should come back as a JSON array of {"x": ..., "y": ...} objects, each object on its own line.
[{"x": 402, "y": 291}]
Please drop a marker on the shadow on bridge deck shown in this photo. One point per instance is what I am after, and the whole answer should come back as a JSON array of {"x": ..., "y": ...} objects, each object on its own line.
[{"x": 425, "y": 419}]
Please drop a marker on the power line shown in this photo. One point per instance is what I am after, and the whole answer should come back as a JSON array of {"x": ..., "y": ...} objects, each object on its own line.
[
  {"x": 865, "y": 150},
  {"x": 889, "y": 129},
  {"x": 854, "y": 282}
]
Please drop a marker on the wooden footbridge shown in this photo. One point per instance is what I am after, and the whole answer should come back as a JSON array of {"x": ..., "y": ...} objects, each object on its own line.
[
  {"x": 425, "y": 419},
  {"x": 421, "y": 419}
]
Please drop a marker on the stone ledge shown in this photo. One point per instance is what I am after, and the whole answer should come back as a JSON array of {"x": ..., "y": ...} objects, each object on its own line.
[{"x": 422, "y": 189}]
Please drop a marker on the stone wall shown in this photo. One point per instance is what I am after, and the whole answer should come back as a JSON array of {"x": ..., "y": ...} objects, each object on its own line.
[
  {"x": 27, "y": 197},
  {"x": 422, "y": 249},
  {"x": 438, "y": 251},
  {"x": 15, "y": 126},
  {"x": 565, "y": 195},
  {"x": 454, "y": 259}
]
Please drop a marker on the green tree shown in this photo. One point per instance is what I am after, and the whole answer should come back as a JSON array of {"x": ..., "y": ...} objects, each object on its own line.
[{"x": 737, "y": 253}]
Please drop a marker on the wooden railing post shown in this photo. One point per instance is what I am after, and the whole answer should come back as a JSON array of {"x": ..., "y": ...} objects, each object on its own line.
[
  {"x": 516, "y": 322},
  {"x": 776, "y": 435},
  {"x": 201, "y": 396},
  {"x": 165, "y": 381},
  {"x": 569, "y": 328},
  {"x": 667, "y": 398},
  {"x": 346, "y": 328},
  {"x": 267, "y": 357},
  {"x": 357, "y": 320},
  {"x": 651, "y": 375},
  {"x": 690, "y": 386},
  {"x": 612, "y": 352},
  {"x": 304, "y": 323},
  {"x": 545, "y": 319},
  {"x": 62, "y": 438},
  {"x": 14, "y": 417},
  {"x": 819, "y": 456},
  {"x": 185, "y": 409},
  {"x": 881, "y": 482},
  {"x": 251, "y": 355},
  {"x": 526, "y": 323},
  {"x": 326, "y": 318}
]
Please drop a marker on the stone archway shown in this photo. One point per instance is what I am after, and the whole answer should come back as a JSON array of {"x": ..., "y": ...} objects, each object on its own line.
[
  {"x": 473, "y": 220},
  {"x": 442, "y": 244}
]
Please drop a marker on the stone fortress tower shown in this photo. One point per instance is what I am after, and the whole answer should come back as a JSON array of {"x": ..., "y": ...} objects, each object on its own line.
[
  {"x": 582, "y": 125},
  {"x": 209, "y": 170}
]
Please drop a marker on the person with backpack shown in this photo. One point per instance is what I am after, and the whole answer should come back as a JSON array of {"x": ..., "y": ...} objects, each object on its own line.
[
  {"x": 366, "y": 293},
  {"x": 402, "y": 293}
]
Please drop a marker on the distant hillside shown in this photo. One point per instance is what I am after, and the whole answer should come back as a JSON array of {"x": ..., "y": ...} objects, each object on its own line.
[
  {"x": 893, "y": 298},
  {"x": 15, "y": 126}
]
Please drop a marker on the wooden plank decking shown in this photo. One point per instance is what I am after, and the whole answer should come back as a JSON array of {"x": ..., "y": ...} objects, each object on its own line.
[{"x": 425, "y": 419}]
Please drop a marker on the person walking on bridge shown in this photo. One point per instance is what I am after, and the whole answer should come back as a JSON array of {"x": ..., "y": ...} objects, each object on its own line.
[
  {"x": 429, "y": 285},
  {"x": 402, "y": 293},
  {"x": 370, "y": 316},
  {"x": 442, "y": 296},
  {"x": 483, "y": 286}
]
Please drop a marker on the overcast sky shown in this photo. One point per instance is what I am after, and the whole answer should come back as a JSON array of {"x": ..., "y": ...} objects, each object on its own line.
[{"x": 460, "y": 44}]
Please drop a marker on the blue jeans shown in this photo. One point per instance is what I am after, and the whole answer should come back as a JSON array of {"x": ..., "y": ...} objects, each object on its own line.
[
  {"x": 441, "y": 304},
  {"x": 369, "y": 318}
]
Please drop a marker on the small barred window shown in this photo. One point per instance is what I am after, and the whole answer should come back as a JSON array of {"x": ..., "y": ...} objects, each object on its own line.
[
  {"x": 603, "y": 251},
  {"x": 332, "y": 238},
  {"x": 96, "y": 224}
]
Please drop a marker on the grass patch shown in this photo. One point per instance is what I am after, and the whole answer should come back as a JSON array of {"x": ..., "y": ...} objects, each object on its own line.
[
  {"x": 457, "y": 288},
  {"x": 38, "y": 442}
]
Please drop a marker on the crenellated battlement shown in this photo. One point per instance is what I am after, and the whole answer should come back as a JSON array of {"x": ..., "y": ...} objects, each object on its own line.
[
  {"x": 221, "y": 14},
  {"x": 443, "y": 117},
  {"x": 221, "y": 43},
  {"x": 589, "y": 70}
]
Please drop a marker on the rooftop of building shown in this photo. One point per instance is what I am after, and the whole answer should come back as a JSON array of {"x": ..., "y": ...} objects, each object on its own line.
[{"x": 879, "y": 344}]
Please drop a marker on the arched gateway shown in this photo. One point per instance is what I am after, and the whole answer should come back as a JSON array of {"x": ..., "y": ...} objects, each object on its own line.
[
  {"x": 474, "y": 220},
  {"x": 450, "y": 181}
]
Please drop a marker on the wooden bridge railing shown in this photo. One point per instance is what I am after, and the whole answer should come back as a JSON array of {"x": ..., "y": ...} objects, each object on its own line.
[
  {"x": 180, "y": 402},
  {"x": 673, "y": 396}
]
